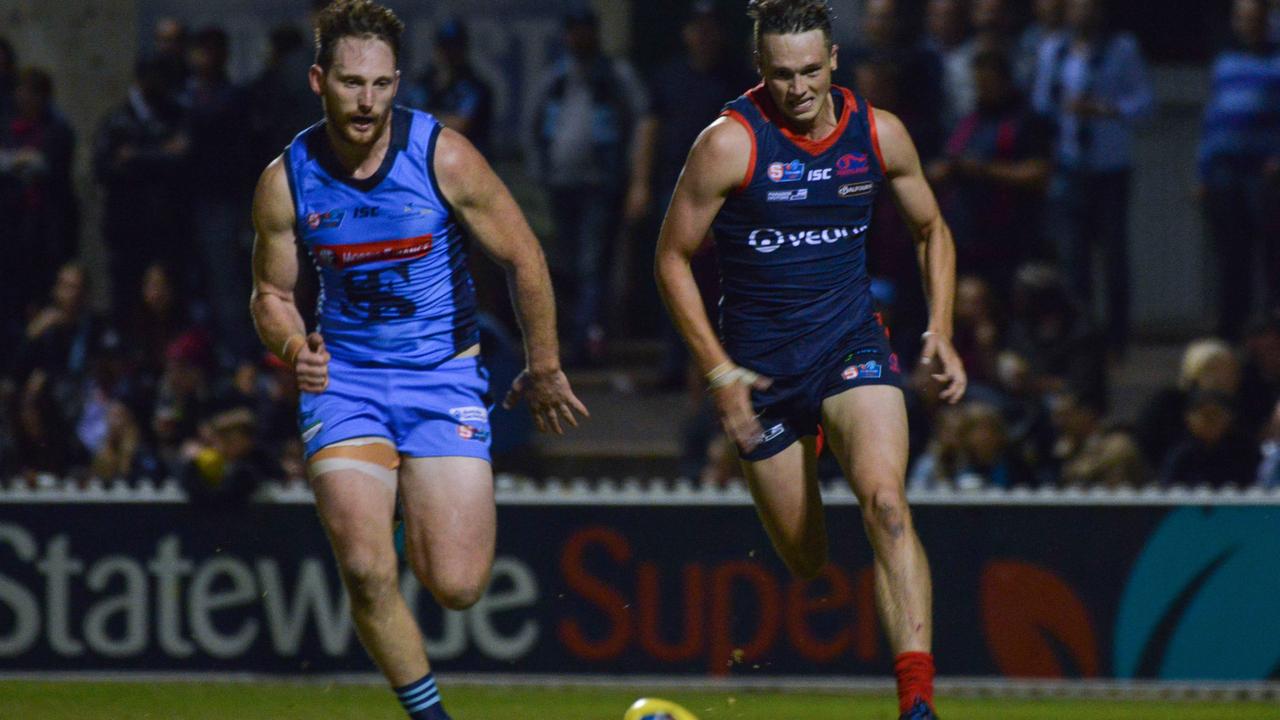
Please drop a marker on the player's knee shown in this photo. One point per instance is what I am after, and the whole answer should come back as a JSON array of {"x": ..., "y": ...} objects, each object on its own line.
[
  {"x": 886, "y": 514},
  {"x": 458, "y": 593},
  {"x": 369, "y": 579}
]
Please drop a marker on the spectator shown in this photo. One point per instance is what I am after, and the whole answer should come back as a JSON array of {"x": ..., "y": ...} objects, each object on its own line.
[
  {"x": 451, "y": 89},
  {"x": 594, "y": 137},
  {"x": 1213, "y": 451},
  {"x": 1089, "y": 452},
  {"x": 947, "y": 28},
  {"x": 182, "y": 400},
  {"x": 221, "y": 170},
  {"x": 993, "y": 33},
  {"x": 1093, "y": 81},
  {"x": 228, "y": 466},
  {"x": 1240, "y": 166},
  {"x": 140, "y": 157},
  {"x": 122, "y": 453},
  {"x": 1047, "y": 24},
  {"x": 1260, "y": 388},
  {"x": 993, "y": 178},
  {"x": 1052, "y": 333},
  {"x": 1269, "y": 468},
  {"x": 887, "y": 37},
  {"x": 8, "y": 77},
  {"x": 158, "y": 319},
  {"x": 938, "y": 466},
  {"x": 36, "y": 198},
  {"x": 990, "y": 459},
  {"x": 169, "y": 40},
  {"x": 1208, "y": 364},
  {"x": 708, "y": 78},
  {"x": 281, "y": 102},
  {"x": 890, "y": 249},
  {"x": 52, "y": 369},
  {"x": 978, "y": 331}
]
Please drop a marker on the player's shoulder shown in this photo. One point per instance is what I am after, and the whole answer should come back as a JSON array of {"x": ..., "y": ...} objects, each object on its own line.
[
  {"x": 892, "y": 138},
  {"x": 273, "y": 200},
  {"x": 725, "y": 138}
]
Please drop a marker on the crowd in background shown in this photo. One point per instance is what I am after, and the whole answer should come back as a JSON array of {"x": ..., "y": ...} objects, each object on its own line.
[{"x": 1025, "y": 127}]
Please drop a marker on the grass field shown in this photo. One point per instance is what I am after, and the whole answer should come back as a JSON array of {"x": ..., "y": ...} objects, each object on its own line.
[{"x": 283, "y": 701}]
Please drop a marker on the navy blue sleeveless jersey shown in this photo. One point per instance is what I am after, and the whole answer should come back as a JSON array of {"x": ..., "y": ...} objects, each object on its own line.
[
  {"x": 394, "y": 286},
  {"x": 791, "y": 239}
]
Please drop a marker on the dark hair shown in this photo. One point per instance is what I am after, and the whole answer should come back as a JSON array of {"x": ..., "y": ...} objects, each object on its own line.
[
  {"x": 212, "y": 38},
  {"x": 991, "y": 59},
  {"x": 355, "y": 18},
  {"x": 786, "y": 17},
  {"x": 37, "y": 79}
]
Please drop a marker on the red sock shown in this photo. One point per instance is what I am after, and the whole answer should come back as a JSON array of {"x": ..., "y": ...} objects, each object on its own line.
[{"x": 915, "y": 679}]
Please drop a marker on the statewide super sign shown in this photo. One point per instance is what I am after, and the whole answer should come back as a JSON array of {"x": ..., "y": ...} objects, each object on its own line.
[{"x": 1020, "y": 591}]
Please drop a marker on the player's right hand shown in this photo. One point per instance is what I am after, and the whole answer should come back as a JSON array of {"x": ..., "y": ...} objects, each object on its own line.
[
  {"x": 311, "y": 366},
  {"x": 737, "y": 415}
]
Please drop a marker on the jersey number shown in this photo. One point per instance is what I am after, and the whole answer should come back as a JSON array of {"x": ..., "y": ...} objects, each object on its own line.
[{"x": 371, "y": 295}]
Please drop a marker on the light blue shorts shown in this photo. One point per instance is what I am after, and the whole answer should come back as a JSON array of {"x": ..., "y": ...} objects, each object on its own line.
[{"x": 438, "y": 412}]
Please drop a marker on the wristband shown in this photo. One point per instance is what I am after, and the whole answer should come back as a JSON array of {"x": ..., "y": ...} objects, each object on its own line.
[
  {"x": 291, "y": 356},
  {"x": 721, "y": 377}
]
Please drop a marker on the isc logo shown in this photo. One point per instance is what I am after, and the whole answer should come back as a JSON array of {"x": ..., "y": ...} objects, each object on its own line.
[
  {"x": 365, "y": 212},
  {"x": 820, "y": 174}
]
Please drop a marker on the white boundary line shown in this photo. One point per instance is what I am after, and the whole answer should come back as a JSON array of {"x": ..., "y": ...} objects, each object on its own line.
[
  {"x": 681, "y": 492},
  {"x": 968, "y": 687}
]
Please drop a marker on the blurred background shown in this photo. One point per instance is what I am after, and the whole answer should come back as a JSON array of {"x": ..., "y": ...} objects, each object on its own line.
[{"x": 1111, "y": 171}]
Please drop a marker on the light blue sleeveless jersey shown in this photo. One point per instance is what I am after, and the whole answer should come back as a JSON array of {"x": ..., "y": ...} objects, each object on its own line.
[{"x": 392, "y": 260}]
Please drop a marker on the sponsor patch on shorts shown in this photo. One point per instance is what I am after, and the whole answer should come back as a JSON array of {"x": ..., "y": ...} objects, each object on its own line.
[
  {"x": 868, "y": 370},
  {"x": 469, "y": 432},
  {"x": 470, "y": 414}
]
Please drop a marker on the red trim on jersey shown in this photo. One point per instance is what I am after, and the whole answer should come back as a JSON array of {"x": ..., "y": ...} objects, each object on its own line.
[
  {"x": 342, "y": 256},
  {"x": 764, "y": 102},
  {"x": 751, "y": 166},
  {"x": 875, "y": 138}
]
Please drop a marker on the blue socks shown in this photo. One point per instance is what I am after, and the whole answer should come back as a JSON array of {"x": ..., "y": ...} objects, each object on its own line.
[{"x": 421, "y": 699}]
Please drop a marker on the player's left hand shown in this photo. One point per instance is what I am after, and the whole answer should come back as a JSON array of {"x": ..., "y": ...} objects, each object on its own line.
[
  {"x": 551, "y": 400},
  {"x": 938, "y": 351}
]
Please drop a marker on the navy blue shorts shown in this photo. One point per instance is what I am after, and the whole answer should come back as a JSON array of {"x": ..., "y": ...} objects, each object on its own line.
[{"x": 792, "y": 406}]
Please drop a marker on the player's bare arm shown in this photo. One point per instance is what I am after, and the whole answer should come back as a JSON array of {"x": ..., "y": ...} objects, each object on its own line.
[
  {"x": 934, "y": 248},
  {"x": 493, "y": 219},
  {"x": 717, "y": 165},
  {"x": 275, "y": 274}
]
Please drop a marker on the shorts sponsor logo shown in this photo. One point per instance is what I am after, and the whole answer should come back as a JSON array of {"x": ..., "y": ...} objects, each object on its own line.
[
  {"x": 309, "y": 433},
  {"x": 470, "y": 414},
  {"x": 849, "y": 190},
  {"x": 343, "y": 256},
  {"x": 894, "y": 365},
  {"x": 331, "y": 219},
  {"x": 773, "y": 432},
  {"x": 868, "y": 370},
  {"x": 786, "y": 172},
  {"x": 469, "y": 432},
  {"x": 767, "y": 240},
  {"x": 852, "y": 164},
  {"x": 788, "y": 195}
]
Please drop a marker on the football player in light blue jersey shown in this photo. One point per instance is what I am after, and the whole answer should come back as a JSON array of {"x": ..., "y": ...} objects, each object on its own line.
[
  {"x": 785, "y": 179},
  {"x": 393, "y": 392}
]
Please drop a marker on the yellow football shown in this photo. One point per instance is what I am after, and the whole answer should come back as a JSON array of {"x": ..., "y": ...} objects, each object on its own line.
[{"x": 657, "y": 709}]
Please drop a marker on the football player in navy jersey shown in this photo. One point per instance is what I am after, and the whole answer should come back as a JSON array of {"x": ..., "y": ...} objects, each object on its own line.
[
  {"x": 785, "y": 179},
  {"x": 394, "y": 397}
]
